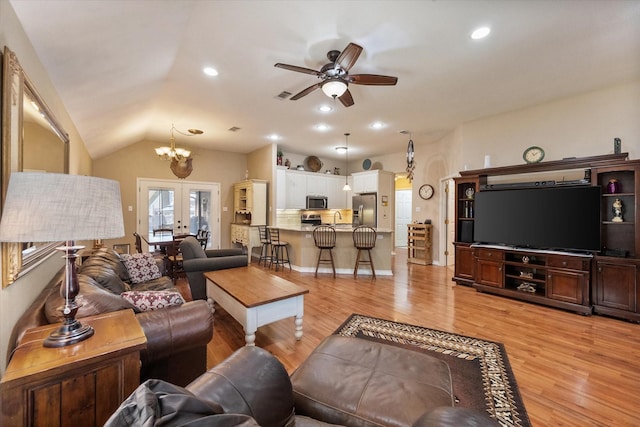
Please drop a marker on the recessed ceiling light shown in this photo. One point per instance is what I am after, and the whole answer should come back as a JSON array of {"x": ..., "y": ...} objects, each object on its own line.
[
  {"x": 480, "y": 33},
  {"x": 377, "y": 125},
  {"x": 210, "y": 71},
  {"x": 325, "y": 108},
  {"x": 322, "y": 127},
  {"x": 273, "y": 137}
]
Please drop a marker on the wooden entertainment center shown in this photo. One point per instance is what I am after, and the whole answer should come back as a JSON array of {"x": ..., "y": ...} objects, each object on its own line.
[{"x": 604, "y": 282}]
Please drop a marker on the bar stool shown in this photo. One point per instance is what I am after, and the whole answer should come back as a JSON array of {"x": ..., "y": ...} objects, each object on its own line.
[
  {"x": 265, "y": 241},
  {"x": 278, "y": 249},
  {"x": 364, "y": 239},
  {"x": 324, "y": 237}
]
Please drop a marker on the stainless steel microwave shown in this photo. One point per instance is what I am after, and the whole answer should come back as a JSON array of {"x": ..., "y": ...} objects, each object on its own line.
[{"x": 317, "y": 202}]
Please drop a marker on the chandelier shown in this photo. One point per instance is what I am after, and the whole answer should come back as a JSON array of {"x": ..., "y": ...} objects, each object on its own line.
[
  {"x": 171, "y": 152},
  {"x": 181, "y": 161}
]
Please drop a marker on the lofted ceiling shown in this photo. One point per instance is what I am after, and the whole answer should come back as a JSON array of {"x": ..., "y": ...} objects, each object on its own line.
[{"x": 127, "y": 70}]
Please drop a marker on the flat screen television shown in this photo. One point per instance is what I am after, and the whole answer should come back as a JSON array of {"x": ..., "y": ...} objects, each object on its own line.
[{"x": 553, "y": 218}]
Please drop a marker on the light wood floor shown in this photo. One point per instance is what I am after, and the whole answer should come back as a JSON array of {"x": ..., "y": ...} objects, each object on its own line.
[{"x": 572, "y": 370}]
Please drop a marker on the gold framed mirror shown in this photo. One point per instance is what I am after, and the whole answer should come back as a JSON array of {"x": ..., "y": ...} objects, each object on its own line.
[{"x": 32, "y": 139}]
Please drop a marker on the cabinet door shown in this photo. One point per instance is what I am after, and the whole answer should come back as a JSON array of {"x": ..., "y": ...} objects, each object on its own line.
[
  {"x": 490, "y": 273},
  {"x": 337, "y": 196},
  {"x": 366, "y": 182},
  {"x": 281, "y": 189},
  {"x": 566, "y": 286},
  {"x": 296, "y": 190},
  {"x": 316, "y": 185},
  {"x": 616, "y": 285},
  {"x": 359, "y": 183},
  {"x": 464, "y": 262}
]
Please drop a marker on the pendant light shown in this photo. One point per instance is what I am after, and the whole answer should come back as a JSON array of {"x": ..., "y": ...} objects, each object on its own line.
[{"x": 346, "y": 177}]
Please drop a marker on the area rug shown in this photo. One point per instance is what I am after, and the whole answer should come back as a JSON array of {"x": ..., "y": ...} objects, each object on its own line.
[{"x": 480, "y": 370}]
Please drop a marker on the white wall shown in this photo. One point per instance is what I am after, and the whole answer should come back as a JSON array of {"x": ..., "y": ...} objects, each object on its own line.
[{"x": 577, "y": 126}]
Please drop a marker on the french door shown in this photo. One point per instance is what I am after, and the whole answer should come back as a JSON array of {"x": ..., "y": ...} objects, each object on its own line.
[{"x": 183, "y": 207}]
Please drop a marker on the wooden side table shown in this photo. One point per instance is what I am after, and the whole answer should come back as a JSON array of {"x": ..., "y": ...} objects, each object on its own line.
[{"x": 77, "y": 385}]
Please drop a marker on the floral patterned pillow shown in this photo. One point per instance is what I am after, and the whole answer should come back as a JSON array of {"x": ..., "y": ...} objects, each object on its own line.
[
  {"x": 152, "y": 300},
  {"x": 142, "y": 267}
]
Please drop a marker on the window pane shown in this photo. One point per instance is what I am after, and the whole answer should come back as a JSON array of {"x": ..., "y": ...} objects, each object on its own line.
[{"x": 160, "y": 209}]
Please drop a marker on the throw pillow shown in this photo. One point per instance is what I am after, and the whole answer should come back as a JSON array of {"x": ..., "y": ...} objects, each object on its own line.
[
  {"x": 142, "y": 267},
  {"x": 152, "y": 300}
]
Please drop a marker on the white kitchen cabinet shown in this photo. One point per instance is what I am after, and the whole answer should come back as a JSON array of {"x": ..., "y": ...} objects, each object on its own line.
[
  {"x": 294, "y": 186},
  {"x": 317, "y": 185},
  {"x": 338, "y": 198},
  {"x": 365, "y": 182},
  {"x": 296, "y": 190},
  {"x": 281, "y": 188}
]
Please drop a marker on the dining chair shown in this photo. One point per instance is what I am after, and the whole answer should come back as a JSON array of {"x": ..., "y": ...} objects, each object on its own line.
[
  {"x": 138, "y": 242},
  {"x": 203, "y": 237},
  {"x": 173, "y": 257}
]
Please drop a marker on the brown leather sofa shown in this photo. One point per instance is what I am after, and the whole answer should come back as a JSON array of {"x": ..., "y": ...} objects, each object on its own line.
[
  {"x": 345, "y": 381},
  {"x": 177, "y": 336}
]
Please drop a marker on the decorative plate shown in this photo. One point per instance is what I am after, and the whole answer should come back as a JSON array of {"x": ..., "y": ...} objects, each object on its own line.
[
  {"x": 313, "y": 163},
  {"x": 366, "y": 164}
]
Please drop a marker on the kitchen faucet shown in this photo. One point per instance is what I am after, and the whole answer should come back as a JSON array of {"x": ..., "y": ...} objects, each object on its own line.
[{"x": 334, "y": 216}]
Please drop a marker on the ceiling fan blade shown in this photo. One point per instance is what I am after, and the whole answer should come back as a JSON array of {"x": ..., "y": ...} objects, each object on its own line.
[
  {"x": 372, "y": 80},
  {"x": 346, "y": 99},
  {"x": 349, "y": 56},
  {"x": 299, "y": 69},
  {"x": 306, "y": 91}
]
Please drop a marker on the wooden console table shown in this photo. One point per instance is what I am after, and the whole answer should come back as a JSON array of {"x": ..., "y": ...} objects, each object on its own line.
[{"x": 77, "y": 385}]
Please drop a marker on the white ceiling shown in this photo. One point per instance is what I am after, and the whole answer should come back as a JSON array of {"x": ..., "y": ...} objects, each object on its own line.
[{"x": 127, "y": 70}]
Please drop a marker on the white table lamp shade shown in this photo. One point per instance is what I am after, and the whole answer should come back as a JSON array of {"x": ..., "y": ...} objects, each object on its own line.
[{"x": 48, "y": 207}]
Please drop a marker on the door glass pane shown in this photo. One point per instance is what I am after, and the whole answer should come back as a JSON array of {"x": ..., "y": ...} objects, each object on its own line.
[
  {"x": 199, "y": 211},
  {"x": 161, "y": 209}
]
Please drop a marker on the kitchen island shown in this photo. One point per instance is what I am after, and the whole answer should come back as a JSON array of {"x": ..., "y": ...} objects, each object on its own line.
[{"x": 303, "y": 253}]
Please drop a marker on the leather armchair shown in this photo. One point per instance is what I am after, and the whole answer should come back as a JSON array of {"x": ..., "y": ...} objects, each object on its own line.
[{"x": 196, "y": 261}]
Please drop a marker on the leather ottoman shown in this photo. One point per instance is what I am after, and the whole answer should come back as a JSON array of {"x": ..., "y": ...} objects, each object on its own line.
[{"x": 356, "y": 382}]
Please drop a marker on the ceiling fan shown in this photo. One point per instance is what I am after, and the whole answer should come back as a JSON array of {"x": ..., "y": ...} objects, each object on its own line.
[{"x": 335, "y": 76}]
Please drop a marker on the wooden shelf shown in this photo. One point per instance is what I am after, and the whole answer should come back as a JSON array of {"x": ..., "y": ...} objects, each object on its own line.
[{"x": 419, "y": 241}]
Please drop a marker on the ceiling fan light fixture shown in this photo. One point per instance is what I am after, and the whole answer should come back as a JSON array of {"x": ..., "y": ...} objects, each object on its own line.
[
  {"x": 341, "y": 150},
  {"x": 334, "y": 88}
]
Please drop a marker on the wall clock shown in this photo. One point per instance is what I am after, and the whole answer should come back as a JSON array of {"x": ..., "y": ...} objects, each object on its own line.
[
  {"x": 533, "y": 154},
  {"x": 426, "y": 192}
]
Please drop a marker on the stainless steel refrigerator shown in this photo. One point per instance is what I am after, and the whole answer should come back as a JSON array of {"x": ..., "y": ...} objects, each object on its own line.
[{"x": 364, "y": 210}]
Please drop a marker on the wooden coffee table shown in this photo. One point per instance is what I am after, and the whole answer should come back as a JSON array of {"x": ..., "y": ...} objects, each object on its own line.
[{"x": 255, "y": 298}]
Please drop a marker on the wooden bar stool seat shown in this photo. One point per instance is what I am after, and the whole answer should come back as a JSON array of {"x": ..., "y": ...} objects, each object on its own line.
[
  {"x": 364, "y": 239},
  {"x": 324, "y": 237},
  {"x": 265, "y": 245},
  {"x": 279, "y": 249}
]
